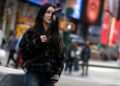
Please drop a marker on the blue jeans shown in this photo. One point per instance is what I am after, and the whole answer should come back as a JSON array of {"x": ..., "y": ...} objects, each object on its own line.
[{"x": 36, "y": 80}]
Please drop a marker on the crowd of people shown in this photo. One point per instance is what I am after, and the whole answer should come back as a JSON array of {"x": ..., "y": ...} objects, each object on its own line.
[{"x": 76, "y": 54}]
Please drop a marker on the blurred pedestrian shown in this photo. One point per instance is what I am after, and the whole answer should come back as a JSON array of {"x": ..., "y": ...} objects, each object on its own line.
[
  {"x": 71, "y": 54},
  {"x": 1, "y": 38},
  {"x": 42, "y": 50},
  {"x": 3, "y": 43},
  {"x": 11, "y": 47},
  {"x": 118, "y": 58},
  {"x": 85, "y": 56},
  {"x": 78, "y": 52}
]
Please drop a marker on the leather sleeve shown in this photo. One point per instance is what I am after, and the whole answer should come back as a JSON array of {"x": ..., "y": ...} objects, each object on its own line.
[
  {"x": 60, "y": 65},
  {"x": 28, "y": 46}
]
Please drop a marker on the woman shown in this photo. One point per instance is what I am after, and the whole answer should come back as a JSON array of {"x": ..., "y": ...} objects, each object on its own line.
[{"x": 42, "y": 50}]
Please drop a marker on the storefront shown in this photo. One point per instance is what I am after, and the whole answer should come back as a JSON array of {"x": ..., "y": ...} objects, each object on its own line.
[
  {"x": 26, "y": 14},
  {"x": 18, "y": 14},
  {"x": 2, "y": 5}
]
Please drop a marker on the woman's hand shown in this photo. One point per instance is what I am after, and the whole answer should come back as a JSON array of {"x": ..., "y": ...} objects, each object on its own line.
[
  {"x": 43, "y": 38},
  {"x": 55, "y": 78}
]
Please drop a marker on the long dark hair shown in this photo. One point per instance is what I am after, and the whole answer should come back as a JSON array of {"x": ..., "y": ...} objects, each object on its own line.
[{"x": 53, "y": 28}]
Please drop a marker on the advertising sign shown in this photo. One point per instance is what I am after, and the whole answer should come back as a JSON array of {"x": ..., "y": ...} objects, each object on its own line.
[
  {"x": 93, "y": 10},
  {"x": 114, "y": 32},
  {"x": 110, "y": 30},
  {"x": 105, "y": 28},
  {"x": 38, "y": 2},
  {"x": 76, "y": 6}
]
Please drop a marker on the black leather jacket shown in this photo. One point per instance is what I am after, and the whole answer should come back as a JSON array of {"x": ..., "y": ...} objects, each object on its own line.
[{"x": 39, "y": 57}]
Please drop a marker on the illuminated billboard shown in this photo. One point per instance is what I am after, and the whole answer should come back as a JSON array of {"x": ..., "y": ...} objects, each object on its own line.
[
  {"x": 105, "y": 28},
  {"x": 38, "y": 2},
  {"x": 92, "y": 11},
  {"x": 114, "y": 32},
  {"x": 110, "y": 30},
  {"x": 76, "y": 6}
]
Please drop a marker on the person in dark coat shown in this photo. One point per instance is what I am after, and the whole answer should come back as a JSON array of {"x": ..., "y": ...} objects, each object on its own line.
[
  {"x": 42, "y": 50},
  {"x": 85, "y": 56}
]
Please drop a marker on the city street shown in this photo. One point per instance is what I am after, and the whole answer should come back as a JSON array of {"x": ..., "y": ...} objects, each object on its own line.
[
  {"x": 84, "y": 29},
  {"x": 97, "y": 77},
  {"x": 72, "y": 81}
]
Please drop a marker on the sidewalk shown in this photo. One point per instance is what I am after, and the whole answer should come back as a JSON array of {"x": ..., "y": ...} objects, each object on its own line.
[
  {"x": 106, "y": 64},
  {"x": 99, "y": 75}
]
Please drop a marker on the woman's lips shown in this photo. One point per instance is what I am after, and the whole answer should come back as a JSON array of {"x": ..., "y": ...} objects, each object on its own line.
[{"x": 93, "y": 6}]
